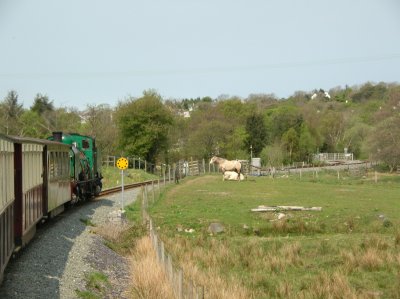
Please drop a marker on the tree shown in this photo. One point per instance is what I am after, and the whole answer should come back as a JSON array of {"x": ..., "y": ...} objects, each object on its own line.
[
  {"x": 45, "y": 109},
  {"x": 209, "y": 130},
  {"x": 333, "y": 128},
  {"x": 99, "y": 123},
  {"x": 307, "y": 143},
  {"x": 67, "y": 120},
  {"x": 272, "y": 155},
  {"x": 290, "y": 141},
  {"x": 42, "y": 104},
  {"x": 256, "y": 133},
  {"x": 11, "y": 113},
  {"x": 281, "y": 119},
  {"x": 370, "y": 91},
  {"x": 234, "y": 144},
  {"x": 33, "y": 125},
  {"x": 354, "y": 139},
  {"x": 384, "y": 142},
  {"x": 143, "y": 126}
]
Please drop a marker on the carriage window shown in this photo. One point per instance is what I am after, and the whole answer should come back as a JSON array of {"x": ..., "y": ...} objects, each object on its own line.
[
  {"x": 85, "y": 144},
  {"x": 56, "y": 165},
  {"x": 51, "y": 165}
]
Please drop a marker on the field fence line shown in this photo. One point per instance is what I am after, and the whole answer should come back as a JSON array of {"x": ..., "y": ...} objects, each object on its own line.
[{"x": 183, "y": 287}]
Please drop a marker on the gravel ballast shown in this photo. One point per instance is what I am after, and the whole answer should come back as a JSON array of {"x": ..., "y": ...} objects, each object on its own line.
[{"x": 64, "y": 250}]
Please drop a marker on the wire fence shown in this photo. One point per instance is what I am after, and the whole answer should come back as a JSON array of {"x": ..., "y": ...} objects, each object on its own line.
[
  {"x": 182, "y": 167},
  {"x": 183, "y": 287}
]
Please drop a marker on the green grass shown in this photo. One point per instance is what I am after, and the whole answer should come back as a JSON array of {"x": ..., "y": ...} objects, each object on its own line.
[
  {"x": 352, "y": 245},
  {"x": 87, "y": 221},
  {"x": 87, "y": 295},
  {"x": 112, "y": 176},
  {"x": 126, "y": 239},
  {"x": 96, "y": 284}
]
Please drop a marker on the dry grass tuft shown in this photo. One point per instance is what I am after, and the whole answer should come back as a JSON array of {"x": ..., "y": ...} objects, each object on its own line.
[
  {"x": 284, "y": 290},
  {"x": 217, "y": 287},
  {"x": 331, "y": 286},
  {"x": 350, "y": 261},
  {"x": 371, "y": 260},
  {"x": 274, "y": 263},
  {"x": 280, "y": 226},
  {"x": 291, "y": 251},
  {"x": 111, "y": 231},
  {"x": 215, "y": 255},
  {"x": 397, "y": 239},
  {"x": 148, "y": 278},
  {"x": 375, "y": 242}
]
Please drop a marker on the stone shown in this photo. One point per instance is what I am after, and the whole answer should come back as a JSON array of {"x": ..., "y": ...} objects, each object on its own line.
[{"x": 216, "y": 228}]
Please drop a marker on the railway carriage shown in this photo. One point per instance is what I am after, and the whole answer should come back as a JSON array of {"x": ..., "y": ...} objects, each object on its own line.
[
  {"x": 29, "y": 187},
  {"x": 57, "y": 177},
  {"x": 37, "y": 179},
  {"x": 7, "y": 201}
]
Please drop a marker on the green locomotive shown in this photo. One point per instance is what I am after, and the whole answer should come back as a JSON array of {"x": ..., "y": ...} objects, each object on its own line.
[{"x": 85, "y": 167}]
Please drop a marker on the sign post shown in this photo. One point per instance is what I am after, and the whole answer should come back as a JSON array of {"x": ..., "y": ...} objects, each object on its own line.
[{"x": 122, "y": 164}]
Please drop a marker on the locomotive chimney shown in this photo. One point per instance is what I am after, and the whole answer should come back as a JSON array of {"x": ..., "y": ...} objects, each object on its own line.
[{"x": 57, "y": 136}]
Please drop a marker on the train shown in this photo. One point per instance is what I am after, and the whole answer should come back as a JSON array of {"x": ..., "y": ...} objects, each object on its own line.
[{"x": 38, "y": 179}]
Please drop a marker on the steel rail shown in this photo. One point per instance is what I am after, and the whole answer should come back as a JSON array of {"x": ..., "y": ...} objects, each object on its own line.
[{"x": 127, "y": 186}]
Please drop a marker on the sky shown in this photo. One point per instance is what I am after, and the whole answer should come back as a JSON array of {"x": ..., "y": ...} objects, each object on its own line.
[{"x": 92, "y": 52}]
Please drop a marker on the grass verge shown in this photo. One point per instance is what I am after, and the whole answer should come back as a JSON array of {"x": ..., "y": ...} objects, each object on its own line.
[
  {"x": 347, "y": 248},
  {"x": 96, "y": 285}
]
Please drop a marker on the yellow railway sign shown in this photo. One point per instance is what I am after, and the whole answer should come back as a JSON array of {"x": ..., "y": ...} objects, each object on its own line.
[{"x": 122, "y": 163}]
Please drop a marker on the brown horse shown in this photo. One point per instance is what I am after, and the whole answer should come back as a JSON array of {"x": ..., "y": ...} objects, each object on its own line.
[{"x": 227, "y": 165}]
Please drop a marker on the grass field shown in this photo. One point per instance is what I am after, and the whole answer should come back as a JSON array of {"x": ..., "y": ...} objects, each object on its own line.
[{"x": 350, "y": 249}]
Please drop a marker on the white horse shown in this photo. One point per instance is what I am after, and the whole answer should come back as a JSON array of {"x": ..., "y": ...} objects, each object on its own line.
[
  {"x": 232, "y": 176},
  {"x": 226, "y": 165}
]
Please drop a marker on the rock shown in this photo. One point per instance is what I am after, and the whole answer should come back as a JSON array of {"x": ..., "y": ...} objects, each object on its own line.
[
  {"x": 216, "y": 228},
  {"x": 116, "y": 216},
  {"x": 280, "y": 216},
  {"x": 189, "y": 230}
]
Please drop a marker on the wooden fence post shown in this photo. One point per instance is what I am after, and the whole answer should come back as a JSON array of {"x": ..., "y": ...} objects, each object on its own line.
[
  {"x": 170, "y": 270},
  {"x": 147, "y": 196},
  {"x": 143, "y": 206},
  {"x": 200, "y": 292},
  {"x": 152, "y": 188},
  {"x": 162, "y": 251},
  {"x": 180, "y": 284}
]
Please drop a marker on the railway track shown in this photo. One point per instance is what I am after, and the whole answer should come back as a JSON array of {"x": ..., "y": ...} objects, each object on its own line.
[{"x": 127, "y": 186}]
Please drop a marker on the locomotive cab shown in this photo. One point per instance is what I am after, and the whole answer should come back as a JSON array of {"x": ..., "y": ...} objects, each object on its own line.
[{"x": 84, "y": 165}]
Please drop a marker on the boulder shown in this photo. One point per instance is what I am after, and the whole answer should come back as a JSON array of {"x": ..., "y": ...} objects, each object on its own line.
[{"x": 216, "y": 228}]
